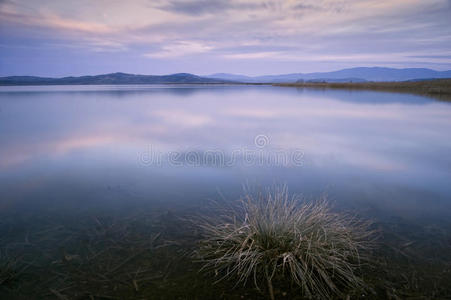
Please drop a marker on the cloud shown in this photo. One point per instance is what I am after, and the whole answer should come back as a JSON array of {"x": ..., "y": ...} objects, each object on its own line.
[
  {"x": 197, "y": 7},
  {"x": 303, "y": 6},
  {"x": 54, "y": 21},
  {"x": 254, "y": 55},
  {"x": 329, "y": 33},
  {"x": 180, "y": 48},
  {"x": 216, "y": 7}
]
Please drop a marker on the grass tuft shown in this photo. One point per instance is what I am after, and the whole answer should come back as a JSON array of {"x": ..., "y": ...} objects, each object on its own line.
[{"x": 273, "y": 235}]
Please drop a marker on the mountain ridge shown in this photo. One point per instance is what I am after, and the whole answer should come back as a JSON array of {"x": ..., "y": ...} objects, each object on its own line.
[
  {"x": 110, "y": 78},
  {"x": 358, "y": 74}
]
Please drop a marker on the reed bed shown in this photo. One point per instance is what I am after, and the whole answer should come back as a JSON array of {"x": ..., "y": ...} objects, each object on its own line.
[{"x": 439, "y": 89}]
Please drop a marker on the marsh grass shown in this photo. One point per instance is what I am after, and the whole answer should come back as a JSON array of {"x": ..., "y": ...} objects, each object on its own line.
[
  {"x": 272, "y": 235},
  {"x": 439, "y": 89}
]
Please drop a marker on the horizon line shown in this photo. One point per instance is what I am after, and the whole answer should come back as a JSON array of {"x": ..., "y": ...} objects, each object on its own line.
[{"x": 211, "y": 74}]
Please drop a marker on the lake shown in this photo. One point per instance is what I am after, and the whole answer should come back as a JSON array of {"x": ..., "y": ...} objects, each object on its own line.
[{"x": 67, "y": 152}]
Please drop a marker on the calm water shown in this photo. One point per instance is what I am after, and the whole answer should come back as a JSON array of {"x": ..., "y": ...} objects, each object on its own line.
[
  {"x": 72, "y": 146},
  {"x": 91, "y": 149}
]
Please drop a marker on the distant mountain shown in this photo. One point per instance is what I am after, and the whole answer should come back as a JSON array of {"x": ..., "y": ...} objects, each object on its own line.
[
  {"x": 231, "y": 77},
  {"x": 361, "y": 74},
  {"x": 114, "y": 78},
  {"x": 345, "y": 75}
]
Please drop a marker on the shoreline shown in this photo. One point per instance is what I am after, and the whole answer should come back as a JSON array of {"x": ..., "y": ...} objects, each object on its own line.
[
  {"x": 439, "y": 89},
  {"x": 436, "y": 88}
]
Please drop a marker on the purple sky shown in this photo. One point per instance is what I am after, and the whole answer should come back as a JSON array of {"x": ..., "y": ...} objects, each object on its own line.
[{"x": 64, "y": 37}]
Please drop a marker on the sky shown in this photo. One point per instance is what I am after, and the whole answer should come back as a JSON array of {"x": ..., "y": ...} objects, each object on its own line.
[{"x": 251, "y": 37}]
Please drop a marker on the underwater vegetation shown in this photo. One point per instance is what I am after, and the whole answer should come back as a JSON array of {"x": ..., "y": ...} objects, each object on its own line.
[
  {"x": 272, "y": 235},
  {"x": 11, "y": 268},
  {"x": 7, "y": 270},
  {"x": 146, "y": 252}
]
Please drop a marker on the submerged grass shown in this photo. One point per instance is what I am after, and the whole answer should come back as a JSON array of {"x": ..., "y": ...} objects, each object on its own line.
[
  {"x": 146, "y": 254},
  {"x": 10, "y": 269},
  {"x": 272, "y": 235},
  {"x": 7, "y": 270}
]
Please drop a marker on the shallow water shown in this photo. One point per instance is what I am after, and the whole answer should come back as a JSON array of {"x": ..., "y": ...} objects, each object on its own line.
[{"x": 102, "y": 149}]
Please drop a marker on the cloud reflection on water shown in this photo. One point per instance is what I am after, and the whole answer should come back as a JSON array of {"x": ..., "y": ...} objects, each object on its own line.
[{"x": 398, "y": 137}]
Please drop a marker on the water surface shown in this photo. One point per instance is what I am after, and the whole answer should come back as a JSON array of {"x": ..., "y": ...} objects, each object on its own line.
[
  {"x": 92, "y": 144},
  {"x": 99, "y": 151}
]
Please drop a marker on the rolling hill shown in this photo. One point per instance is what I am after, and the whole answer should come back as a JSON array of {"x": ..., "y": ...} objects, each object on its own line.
[
  {"x": 364, "y": 74},
  {"x": 113, "y": 78},
  {"x": 353, "y": 74}
]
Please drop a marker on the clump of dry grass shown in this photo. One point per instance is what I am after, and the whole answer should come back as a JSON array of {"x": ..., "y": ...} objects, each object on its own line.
[{"x": 272, "y": 234}]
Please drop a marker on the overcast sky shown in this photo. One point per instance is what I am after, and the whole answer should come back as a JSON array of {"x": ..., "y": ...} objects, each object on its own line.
[{"x": 251, "y": 37}]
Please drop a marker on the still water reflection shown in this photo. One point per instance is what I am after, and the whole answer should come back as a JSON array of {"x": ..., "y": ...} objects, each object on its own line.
[{"x": 78, "y": 146}]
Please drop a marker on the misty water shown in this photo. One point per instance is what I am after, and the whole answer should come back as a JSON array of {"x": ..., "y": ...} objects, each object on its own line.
[{"x": 100, "y": 151}]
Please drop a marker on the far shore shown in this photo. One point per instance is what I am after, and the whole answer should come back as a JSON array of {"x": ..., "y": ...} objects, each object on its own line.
[{"x": 437, "y": 88}]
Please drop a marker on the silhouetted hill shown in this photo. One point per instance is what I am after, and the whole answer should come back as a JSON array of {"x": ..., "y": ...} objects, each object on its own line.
[
  {"x": 345, "y": 75},
  {"x": 362, "y": 74},
  {"x": 113, "y": 78}
]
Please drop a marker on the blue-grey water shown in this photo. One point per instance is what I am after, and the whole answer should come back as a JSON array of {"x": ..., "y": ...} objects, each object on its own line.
[
  {"x": 75, "y": 146},
  {"x": 91, "y": 149}
]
